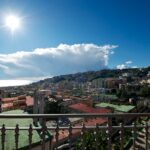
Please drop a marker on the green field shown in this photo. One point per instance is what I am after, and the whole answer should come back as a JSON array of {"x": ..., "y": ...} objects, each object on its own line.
[
  {"x": 23, "y": 135},
  {"x": 121, "y": 108}
]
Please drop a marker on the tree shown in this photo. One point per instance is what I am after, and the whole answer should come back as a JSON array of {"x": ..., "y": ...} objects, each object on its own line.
[
  {"x": 122, "y": 94},
  {"x": 145, "y": 91},
  {"x": 90, "y": 140},
  {"x": 113, "y": 91},
  {"x": 52, "y": 107}
]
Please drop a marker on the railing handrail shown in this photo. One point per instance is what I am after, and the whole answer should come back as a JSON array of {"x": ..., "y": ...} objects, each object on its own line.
[
  {"x": 68, "y": 132},
  {"x": 80, "y": 127},
  {"x": 110, "y": 115}
]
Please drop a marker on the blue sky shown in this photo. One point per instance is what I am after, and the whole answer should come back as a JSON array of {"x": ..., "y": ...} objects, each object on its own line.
[{"x": 121, "y": 25}]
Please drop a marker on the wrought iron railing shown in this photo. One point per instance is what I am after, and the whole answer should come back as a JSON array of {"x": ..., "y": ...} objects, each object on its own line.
[{"x": 120, "y": 131}]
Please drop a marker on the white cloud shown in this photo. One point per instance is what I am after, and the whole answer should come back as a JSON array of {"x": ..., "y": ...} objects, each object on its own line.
[
  {"x": 128, "y": 62},
  {"x": 5, "y": 83},
  {"x": 122, "y": 66},
  {"x": 21, "y": 81},
  {"x": 134, "y": 66},
  {"x": 125, "y": 65},
  {"x": 52, "y": 61}
]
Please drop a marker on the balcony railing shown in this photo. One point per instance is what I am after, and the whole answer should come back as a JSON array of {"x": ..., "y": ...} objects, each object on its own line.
[{"x": 120, "y": 131}]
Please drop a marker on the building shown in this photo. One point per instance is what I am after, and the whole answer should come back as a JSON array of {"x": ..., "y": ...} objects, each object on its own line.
[
  {"x": 113, "y": 83},
  {"x": 116, "y": 108},
  {"x": 83, "y": 108},
  {"x": 148, "y": 74},
  {"x": 20, "y": 102}
]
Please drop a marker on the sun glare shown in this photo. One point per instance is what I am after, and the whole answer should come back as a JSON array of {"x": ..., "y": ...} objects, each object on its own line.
[{"x": 12, "y": 22}]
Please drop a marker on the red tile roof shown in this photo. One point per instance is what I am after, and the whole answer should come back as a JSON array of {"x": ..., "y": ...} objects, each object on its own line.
[
  {"x": 9, "y": 100},
  {"x": 63, "y": 134},
  {"x": 9, "y": 103},
  {"x": 84, "y": 108},
  {"x": 99, "y": 121}
]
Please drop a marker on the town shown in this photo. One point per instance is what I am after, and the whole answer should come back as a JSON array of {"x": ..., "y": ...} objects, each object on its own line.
[{"x": 97, "y": 92}]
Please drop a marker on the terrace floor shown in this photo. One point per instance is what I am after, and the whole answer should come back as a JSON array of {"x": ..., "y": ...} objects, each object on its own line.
[
  {"x": 23, "y": 134},
  {"x": 132, "y": 133}
]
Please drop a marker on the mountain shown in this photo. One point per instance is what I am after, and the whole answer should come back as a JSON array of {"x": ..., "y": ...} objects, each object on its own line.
[{"x": 92, "y": 75}]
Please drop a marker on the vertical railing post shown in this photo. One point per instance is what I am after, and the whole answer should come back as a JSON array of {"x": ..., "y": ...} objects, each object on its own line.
[
  {"x": 3, "y": 131},
  {"x": 134, "y": 135},
  {"x": 146, "y": 129},
  {"x": 30, "y": 136},
  {"x": 83, "y": 137},
  {"x": 17, "y": 136},
  {"x": 44, "y": 128},
  {"x": 57, "y": 135},
  {"x": 70, "y": 135},
  {"x": 121, "y": 136},
  {"x": 96, "y": 137},
  {"x": 109, "y": 133},
  {"x": 50, "y": 143}
]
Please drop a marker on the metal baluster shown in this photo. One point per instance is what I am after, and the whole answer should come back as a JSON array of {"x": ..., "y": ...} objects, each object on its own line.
[
  {"x": 82, "y": 134},
  {"x": 109, "y": 134},
  {"x": 134, "y": 135},
  {"x": 57, "y": 135},
  {"x": 30, "y": 136},
  {"x": 96, "y": 137},
  {"x": 17, "y": 136},
  {"x": 121, "y": 136},
  {"x": 70, "y": 135},
  {"x": 146, "y": 129},
  {"x": 44, "y": 128},
  {"x": 3, "y": 130},
  {"x": 50, "y": 143}
]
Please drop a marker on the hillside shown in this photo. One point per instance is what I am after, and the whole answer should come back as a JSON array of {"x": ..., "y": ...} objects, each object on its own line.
[{"x": 92, "y": 75}]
